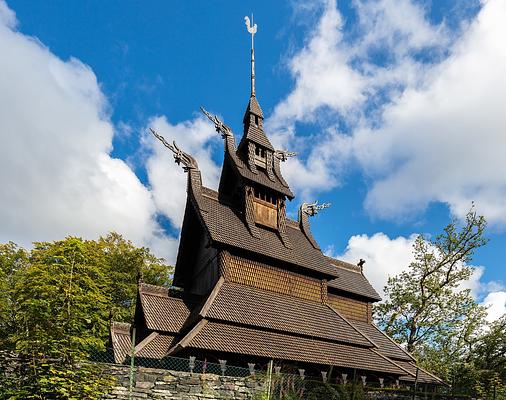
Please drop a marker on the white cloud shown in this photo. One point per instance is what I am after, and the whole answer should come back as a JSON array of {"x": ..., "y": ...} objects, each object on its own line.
[
  {"x": 496, "y": 303},
  {"x": 387, "y": 257},
  {"x": 445, "y": 142},
  {"x": 7, "y": 16},
  {"x": 167, "y": 179},
  {"x": 322, "y": 76},
  {"x": 422, "y": 106},
  {"x": 56, "y": 172},
  {"x": 384, "y": 257},
  {"x": 337, "y": 78}
]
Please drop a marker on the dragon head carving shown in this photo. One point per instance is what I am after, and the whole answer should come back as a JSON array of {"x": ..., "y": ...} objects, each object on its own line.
[{"x": 180, "y": 157}]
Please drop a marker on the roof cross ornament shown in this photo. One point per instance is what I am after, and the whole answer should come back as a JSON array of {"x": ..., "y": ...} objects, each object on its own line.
[
  {"x": 283, "y": 155},
  {"x": 312, "y": 209},
  {"x": 180, "y": 157},
  {"x": 252, "y": 29},
  {"x": 218, "y": 124}
]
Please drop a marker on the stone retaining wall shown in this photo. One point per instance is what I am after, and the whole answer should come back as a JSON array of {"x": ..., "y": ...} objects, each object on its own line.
[
  {"x": 159, "y": 384},
  {"x": 171, "y": 385}
]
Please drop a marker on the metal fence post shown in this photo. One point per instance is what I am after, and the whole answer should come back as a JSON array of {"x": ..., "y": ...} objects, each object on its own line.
[
  {"x": 353, "y": 384},
  {"x": 269, "y": 374},
  {"x": 132, "y": 366}
]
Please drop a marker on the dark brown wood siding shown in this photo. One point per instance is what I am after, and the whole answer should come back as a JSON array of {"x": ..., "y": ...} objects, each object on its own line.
[
  {"x": 351, "y": 308},
  {"x": 263, "y": 276}
]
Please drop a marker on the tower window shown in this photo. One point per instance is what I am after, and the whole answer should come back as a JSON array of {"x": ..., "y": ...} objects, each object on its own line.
[
  {"x": 260, "y": 151},
  {"x": 260, "y": 156},
  {"x": 265, "y": 207},
  {"x": 265, "y": 196},
  {"x": 256, "y": 120}
]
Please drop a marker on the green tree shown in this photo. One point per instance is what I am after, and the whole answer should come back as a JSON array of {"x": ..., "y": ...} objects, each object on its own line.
[
  {"x": 62, "y": 300},
  {"x": 125, "y": 265},
  {"x": 426, "y": 309},
  {"x": 55, "y": 306},
  {"x": 61, "y": 315},
  {"x": 13, "y": 261},
  {"x": 489, "y": 361}
]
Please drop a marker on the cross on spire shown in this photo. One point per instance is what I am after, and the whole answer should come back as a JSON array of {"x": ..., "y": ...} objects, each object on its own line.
[{"x": 252, "y": 29}]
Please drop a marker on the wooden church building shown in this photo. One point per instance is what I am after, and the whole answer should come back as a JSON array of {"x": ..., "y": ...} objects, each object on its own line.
[{"x": 253, "y": 285}]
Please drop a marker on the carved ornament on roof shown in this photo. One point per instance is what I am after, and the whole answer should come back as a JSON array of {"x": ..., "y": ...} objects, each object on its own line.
[
  {"x": 312, "y": 209},
  {"x": 180, "y": 157},
  {"x": 218, "y": 124},
  {"x": 283, "y": 155}
]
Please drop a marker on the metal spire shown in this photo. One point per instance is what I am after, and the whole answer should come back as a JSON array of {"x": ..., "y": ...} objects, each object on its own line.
[{"x": 252, "y": 30}]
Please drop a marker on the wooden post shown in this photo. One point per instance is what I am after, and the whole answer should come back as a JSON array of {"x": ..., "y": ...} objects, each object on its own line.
[
  {"x": 132, "y": 366},
  {"x": 416, "y": 383}
]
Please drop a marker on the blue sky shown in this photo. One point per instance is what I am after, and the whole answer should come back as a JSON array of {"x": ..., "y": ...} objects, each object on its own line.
[{"x": 396, "y": 109}]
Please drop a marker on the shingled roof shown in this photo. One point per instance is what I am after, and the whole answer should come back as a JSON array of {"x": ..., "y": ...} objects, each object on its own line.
[
  {"x": 254, "y": 107},
  {"x": 386, "y": 346},
  {"x": 163, "y": 312},
  {"x": 259, "y": 308},
  {"x": 155, "y": 345},
  {"x": 423, "y": 376},
  {"x": 226, "y": 227},
  {"x": 228, "y": 338},
  {"x": 261, "y": 177},
  {"x": 351, "y": 279},
  {"x": 121, "y": 342},
  {"x": 257, "y": 135}
]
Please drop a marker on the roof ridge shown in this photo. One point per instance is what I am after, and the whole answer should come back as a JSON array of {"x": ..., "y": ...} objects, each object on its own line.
[
  {"x": 352, "y": 326},
  {"x": 188, "y": 337},
  {"x": 120, "y": 327},
  {"x": 147, "y": 288},
  {"x": 431, "y": 374},
  {"x": 292, "y": 223},
  {"x": 391, "y": 361},
  {"x": 212, "y": 296},
  {"x": 393, "y": 341},
  {"x": 145, "y": 342},
  {"x": 343, "y": 264}
]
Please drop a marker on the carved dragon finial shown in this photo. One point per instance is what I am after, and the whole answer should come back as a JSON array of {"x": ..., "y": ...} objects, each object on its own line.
[
  {"x": 312, "y": 209},
  {"x": 283, "y": 155},
  {"x": 218, "y": 124},
  {"x": 180, "y": 157}
]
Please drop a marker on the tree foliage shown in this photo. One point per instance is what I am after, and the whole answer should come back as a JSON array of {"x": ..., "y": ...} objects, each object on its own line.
[
  {"x": 489, "y": 360},
  {"x": 124, "y": 265},
  {"x": 56, "y": 302},
  {"x": 62, "y": 300},
  {"x": 427, "y": 309},
  {"x": 13, "y": 261}
]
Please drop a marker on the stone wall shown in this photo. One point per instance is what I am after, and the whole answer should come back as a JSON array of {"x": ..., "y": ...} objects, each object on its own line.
[
  {"x": 171, "y": 385},
  {"x": 158, "y": 384}
]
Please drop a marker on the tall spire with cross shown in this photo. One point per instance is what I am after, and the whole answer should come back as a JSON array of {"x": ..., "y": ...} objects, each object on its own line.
[{"x": 252, "y": 29}]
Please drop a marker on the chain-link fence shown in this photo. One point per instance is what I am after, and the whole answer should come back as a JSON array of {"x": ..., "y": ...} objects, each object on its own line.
[{"x": 268, "y": 382}]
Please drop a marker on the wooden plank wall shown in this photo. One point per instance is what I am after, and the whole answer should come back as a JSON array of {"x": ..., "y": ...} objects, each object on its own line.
[
  {"x": 350, "y": 308},
  {"x": 263, "y": 276}
]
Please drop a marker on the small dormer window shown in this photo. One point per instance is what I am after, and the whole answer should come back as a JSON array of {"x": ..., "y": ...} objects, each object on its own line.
[
  {"x": 260, "y": 156},
  {"x": 265, "y": 196},
  {"x": 265, "y": 208},
  {"x": 260, "y": 151}
]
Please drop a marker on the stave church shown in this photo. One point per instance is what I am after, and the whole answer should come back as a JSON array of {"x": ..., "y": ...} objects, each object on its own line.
[{"x": 252, "y": 285}]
